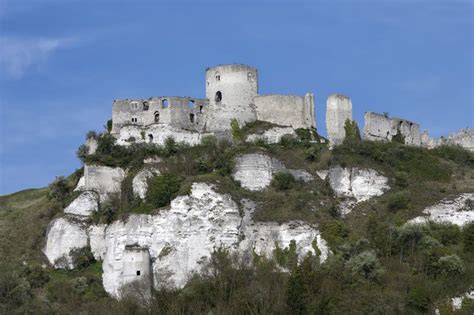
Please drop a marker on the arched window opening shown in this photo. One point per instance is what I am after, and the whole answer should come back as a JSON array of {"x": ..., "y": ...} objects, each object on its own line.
[
  {"x": 200, "y": 108},
  {"x": 164, "y": 103},
  {"x": 138, "y": 272},
  {"x": 134, "y": 119},
  {"x": 218, "y": 97},
  {"x": 191, "y": 104},
  {"x": 157, "y": 117},
  {"x": 218, "y": 76},
  {"x": 146, "y": 105},
  {"x": 134, "y": 105},
  {"x": 191, "y": 118},
  {"x": 150, "y": 138},
  {"x": 249, "y": 76}
]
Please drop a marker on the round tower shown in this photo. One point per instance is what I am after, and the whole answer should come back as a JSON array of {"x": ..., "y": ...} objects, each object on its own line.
[{"x": 231, "y": 90}]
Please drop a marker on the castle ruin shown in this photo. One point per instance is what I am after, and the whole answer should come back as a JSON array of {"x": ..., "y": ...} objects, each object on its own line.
[{"x": 232, "y": 94}]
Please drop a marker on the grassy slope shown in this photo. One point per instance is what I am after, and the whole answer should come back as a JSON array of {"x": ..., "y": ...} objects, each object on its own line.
[{"x": 424, "y": 176}]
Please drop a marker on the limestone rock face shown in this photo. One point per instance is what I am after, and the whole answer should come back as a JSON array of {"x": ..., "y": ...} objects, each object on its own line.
[
  {"x": 62, "y": 236},
  {"x": 103, "y": 180},
  {"x": 180, "y": 238},
  {"x": 361, "y": 184},
  {"x": 255, "y": 171},
  {"x": 458, "y": 211},
  {"x": 97, "y": 240},
  {"x": 356, "y": 184},
  {"x": 140, "y": 181},
  {"x": 84, "y": 205},
  {"x": 177, "y": 239},
  {"x": 272, "y": 135},
  {"x": 80, "y": 184}
]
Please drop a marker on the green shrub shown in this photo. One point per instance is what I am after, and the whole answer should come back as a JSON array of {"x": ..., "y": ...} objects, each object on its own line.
[
  {"x": 283, "y": 181},
  {"x": 162, "y": 189},
  {"x": 82, "y": 257},
  {"x": 455, "y": 153},
  {"x": 352, "y": 131},
  {"x": 109, "y": 125},
  {"x": 171, "y": 146},
  {"x": 419, "y": 298},
  {"x": 398, "y": 200},
  {"x": 59, "y": 189},
  {"x": 237, "y": 133},
  {"x": 313, "y": 153},
  {"x": 286, "y": 257},
  {"x": 334, "y": 232},
  {"x": 91, "y": 134},
  {"x": 399, "y": 137},
  {"x": 82, "y": 152},
  {"x": 450, "y": 265},
  {"x": 468, "y": 237},
  {"x": 365, "y": 265}
]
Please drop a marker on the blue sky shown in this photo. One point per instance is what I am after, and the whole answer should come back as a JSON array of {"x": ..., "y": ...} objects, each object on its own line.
[{"x": 62, "y": 62}]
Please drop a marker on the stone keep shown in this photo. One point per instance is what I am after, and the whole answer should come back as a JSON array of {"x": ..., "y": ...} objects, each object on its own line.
[
  {"x": 338, "y": 110},
  {"x": 231, "y": 90}
]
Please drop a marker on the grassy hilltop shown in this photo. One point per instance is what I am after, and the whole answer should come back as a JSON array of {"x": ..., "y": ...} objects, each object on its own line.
[{"x": 378, "y": 265}]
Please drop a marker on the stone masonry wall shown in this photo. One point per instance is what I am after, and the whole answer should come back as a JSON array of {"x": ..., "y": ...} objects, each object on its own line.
[
  {"x": 384, "y": 128},
  {"x": 179, "y": 112},
  {"x": 286, "y": 110},
  {"x": 237, "y": 86},
  {"x": 338, "y": 110}
]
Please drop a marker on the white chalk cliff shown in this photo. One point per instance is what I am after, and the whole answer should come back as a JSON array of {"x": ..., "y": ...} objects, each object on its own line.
[
  {"x": 255, "y": 171},
  {"x": 458, "y": 211},
  {"x": 179, "y": 239},
  {"x": 356, "y": 185}
]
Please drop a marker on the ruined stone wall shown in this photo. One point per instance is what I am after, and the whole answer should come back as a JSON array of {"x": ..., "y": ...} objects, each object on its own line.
[
  {"x": 179, "y": 112},
  {"x": 286, "y": 110},
  {"x": 338, "y": 110},
  {"x": 463, "y": 138},
  {"x": 230, "y": 90},
  {"x": 381, "y": 127}
]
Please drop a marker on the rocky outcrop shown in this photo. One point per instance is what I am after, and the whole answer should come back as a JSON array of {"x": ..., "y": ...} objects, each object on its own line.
[
  {"x": 63, "y": 235},
  {"x": 272, "y": 135},
  {"x": 140, "y": 181},
  {"x": 80, "y": 184},
  {"x": 179, "y": 239},
  {"x": 255, "y": 171},
  {"x": 458, "y": 211},
  {"x": 356, "y": 185},
  {"x": 97, "y": 240},
  {"x": 84, "y": 205},
  {"x": 103, "y": 180}
]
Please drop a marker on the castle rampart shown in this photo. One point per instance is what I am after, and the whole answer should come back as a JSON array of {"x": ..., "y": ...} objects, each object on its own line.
[
  {"x": 383, "y": 128},
  {"x": 286, "y": 110}
]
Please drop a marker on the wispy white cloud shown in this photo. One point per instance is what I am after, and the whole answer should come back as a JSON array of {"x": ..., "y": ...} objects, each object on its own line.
[{"x": 20, "y": 55}]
